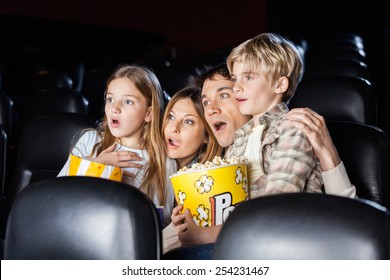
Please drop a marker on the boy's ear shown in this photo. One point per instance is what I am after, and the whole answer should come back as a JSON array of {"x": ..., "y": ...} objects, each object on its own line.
[
  {"x": 281, "y": 85},
  {"x": 148, "y": 116}
]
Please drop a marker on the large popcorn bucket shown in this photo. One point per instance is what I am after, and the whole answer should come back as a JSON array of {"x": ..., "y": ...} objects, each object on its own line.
[
  {"x": 83, "y": 167},
  {"x": 211, "y": 193}
]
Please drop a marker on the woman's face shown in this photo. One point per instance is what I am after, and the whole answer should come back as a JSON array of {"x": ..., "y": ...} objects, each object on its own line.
[{"x": 184, "y": 132}]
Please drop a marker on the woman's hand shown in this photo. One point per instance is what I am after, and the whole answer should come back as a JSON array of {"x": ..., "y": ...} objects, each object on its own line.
[{"x": 190, "y": 233}]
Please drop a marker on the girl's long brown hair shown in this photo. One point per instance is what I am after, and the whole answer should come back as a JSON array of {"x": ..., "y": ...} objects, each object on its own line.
[{"x": 155, "y": 170}]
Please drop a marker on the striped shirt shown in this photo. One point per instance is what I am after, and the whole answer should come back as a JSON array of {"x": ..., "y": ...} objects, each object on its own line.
[{"x": 286, "y": 156}]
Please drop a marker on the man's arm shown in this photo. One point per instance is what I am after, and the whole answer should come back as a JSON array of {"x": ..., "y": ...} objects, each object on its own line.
[{"x": 336, "y": 180}]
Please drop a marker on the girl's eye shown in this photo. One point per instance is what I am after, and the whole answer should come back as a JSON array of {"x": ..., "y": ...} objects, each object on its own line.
[
  {"x": 128, "y": 102},
  {"x": 108, "y": 99},
  {"x": 233, "y": 80},
  {"x": 206, "y": 103}
]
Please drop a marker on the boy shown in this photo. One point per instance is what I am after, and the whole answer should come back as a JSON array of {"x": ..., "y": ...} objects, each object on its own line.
[{"x": 265, "y": 71}]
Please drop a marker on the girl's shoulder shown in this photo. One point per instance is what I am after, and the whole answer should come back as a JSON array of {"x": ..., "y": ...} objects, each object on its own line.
[{"x": 90, "y": 136}]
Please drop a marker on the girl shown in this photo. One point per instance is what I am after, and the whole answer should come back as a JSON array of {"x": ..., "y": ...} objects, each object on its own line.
[{"x": 129, "y": 134}]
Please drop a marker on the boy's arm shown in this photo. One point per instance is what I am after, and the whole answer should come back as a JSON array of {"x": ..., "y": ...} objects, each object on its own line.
[{"x": 289, "y": 163}]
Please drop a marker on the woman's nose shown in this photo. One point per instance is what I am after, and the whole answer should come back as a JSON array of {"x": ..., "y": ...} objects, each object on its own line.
[{"x": 175, "y": 129}]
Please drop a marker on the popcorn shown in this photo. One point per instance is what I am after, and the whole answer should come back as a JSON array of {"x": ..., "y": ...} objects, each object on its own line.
[
  {"x": 217, "y": 161},
  {"x": 212, "y": 190}
]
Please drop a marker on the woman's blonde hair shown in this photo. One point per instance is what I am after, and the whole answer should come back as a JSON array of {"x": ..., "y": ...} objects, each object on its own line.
[
  {"x": 275, "y": 55},
  {"x": 155, "y": 170},
  {"x": 206, "y": 151}
]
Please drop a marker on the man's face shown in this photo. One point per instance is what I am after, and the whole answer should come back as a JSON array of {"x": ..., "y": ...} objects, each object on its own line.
[{"x": 221, "y": 109}]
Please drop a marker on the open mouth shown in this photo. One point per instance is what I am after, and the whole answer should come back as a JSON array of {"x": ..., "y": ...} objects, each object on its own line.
[
  {"x": 173, "y": 142},
  {"x": 219, "y": 125}
]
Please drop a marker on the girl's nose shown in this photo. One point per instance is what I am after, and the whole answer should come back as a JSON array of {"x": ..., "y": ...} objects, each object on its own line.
[{"x": 115, "y": 108}]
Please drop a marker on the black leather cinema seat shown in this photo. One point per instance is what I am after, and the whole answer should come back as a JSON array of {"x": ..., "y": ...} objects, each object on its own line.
[
  {"x": 365, "y": 151},
  {"x": 338, "y": 98},
  {"x": 305, "y": 226},
  {"x": 43, "y": 149},
  {"x": 82, "y": 218}
]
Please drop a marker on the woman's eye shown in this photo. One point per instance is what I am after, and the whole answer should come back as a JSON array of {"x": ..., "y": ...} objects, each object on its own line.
[
  {"x": 170, "y": 117},
  {"x": 190, "y": 122}
]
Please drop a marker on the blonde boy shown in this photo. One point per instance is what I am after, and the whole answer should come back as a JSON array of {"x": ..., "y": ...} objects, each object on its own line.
[{"x": 265, "y": 71}]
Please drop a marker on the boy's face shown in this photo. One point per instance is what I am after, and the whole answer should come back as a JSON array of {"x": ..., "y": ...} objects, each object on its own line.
[
  {"x": 221, "y": 110},
  {"x": 255, "y": 94}
]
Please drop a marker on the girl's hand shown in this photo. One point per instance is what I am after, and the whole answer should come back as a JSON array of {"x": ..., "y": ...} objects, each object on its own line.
[{"x": 121, "y": 159}]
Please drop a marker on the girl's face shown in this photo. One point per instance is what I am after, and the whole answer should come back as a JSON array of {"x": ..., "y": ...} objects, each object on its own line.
[
  {"x": 184, "y": 132},
  {"x": 126, "y": 111}
]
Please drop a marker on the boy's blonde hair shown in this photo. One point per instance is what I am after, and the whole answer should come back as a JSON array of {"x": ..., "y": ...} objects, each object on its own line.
[{"x": 273, "y": 54}]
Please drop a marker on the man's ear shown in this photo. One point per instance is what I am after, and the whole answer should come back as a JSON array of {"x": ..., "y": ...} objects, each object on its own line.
[
  {"x": 148, "y": 116},
  {"x": 281, "y": 85}
]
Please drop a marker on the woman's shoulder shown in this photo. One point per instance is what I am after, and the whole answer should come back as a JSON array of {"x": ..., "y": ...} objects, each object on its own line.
[{"x": 171, "y": 166}]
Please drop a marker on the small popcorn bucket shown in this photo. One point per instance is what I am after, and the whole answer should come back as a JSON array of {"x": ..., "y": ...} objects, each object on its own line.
[
  {"x": 83, "y": 167},
  {"x": 211, "y": 193}
]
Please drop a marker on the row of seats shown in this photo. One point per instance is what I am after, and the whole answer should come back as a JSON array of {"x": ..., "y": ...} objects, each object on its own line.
[{"x": 98, "y": 219}]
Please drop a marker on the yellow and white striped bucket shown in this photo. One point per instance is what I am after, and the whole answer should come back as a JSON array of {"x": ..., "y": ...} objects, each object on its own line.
[{"x": 83, "y": 167}]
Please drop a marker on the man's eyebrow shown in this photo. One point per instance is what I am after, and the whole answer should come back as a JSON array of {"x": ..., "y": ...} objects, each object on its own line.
[{"x": 220, "y": 89}]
